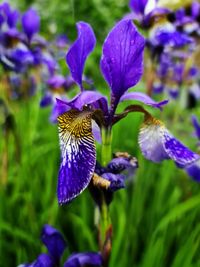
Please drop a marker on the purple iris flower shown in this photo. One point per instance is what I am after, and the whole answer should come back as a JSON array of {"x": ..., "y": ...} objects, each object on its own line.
[
  {"x": 30, "y": 23},
  {"x": 122, "y": 67},
  {"x": 56, "y": 245}
]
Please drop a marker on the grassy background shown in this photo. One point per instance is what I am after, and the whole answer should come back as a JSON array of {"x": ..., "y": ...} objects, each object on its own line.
[{"x": 155, "y": 219}]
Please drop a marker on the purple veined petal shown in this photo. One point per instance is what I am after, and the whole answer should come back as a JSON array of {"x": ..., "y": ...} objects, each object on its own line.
[
  {"x": 54, "y": 242},
  {"x": 145, "y": 99},
  {"x": 177, "y": 151},
  {"x": 30, "y": 23},
  {"x": 79, "y": 51},
  {"x": 122, "y": 58},
  {"x": 84, "y": 259},
  {"x": 117, "y": 181},
  {"x": 96, "y": 132},
  {"x": 150, "y": 140},
  {"x": 193, "y": 170},
  {"x": 196, "y": 125},
  {"x": 138, "y": 6},
  {"x": 78, "y": 154}
]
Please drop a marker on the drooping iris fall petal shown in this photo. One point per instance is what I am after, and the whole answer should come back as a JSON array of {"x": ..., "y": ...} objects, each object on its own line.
[
  {"x": 80, "y": 50},
  {"x": 157, "y": 144},
  {"x": 122, "y": 58},
  {"x": 78, "y": 154}
]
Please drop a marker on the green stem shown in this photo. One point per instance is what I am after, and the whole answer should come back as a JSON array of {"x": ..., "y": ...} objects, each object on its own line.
[
  {"x": 106, "y": 149},
  {"x": 105, "y": 226}
]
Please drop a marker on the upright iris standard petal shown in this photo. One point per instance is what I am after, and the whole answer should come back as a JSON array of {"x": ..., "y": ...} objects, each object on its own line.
[
  {"x": 84, "y": 259},
  {"x": 80, "y": 50},
  {"x": 157, "y": 144},
  {"x": 31, "y": 23},
  {"x": 78, "y": 154},
  {"x": 141, "y": 97},
  {"x": 122, "y": 57},
  {"x": 54, "y": 242}
]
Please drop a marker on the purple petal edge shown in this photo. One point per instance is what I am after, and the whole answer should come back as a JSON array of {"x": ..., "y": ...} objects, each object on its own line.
[
  {"x": 79, "y": 51},
  {"x": 122, "y": 57},
  {"x": 144, "y": 99}
]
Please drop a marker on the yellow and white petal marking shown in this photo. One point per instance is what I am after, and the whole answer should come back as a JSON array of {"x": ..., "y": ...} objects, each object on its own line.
[
  {"x": 78, "y": 153},
  {"x": 150, "y": 140}
]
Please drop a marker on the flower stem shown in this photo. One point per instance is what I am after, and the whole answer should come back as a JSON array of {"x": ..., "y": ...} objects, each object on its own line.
[
  {"x": 106, "y": 149},
  {"x": 105, "y": 226}
]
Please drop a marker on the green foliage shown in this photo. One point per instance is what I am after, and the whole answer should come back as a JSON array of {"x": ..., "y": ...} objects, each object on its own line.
[{"x": 155, "y": 219}]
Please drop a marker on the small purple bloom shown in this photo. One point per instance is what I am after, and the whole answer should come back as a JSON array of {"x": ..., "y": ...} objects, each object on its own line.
[
  {"x": 79, "y": 51},
  {"x": 54, "y": 242},
  {"x": 30, "y": 23},
  {"x": 56, "y": 245}
]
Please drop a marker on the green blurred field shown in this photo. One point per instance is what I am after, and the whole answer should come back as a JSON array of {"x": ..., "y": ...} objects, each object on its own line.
[{"x": 155, "y": 219}]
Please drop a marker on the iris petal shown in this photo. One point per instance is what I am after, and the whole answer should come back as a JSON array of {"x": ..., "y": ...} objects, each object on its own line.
[
  {"x": 122, "y": 57},
  {"x": 150, "y": 141},
  {"x": 78, "y": 154},
  {"x": 80, "y": 50},
  {"x": 141, "y": 97},
  {"x": 157, "y": 144},
  {"x": 84, "y": 259},
  {"x": 54, "y": 242},
  {"x": 193, "y": 170},
  {"x": 31, "y": 23},
  {"x": 177, "y": 151}
]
